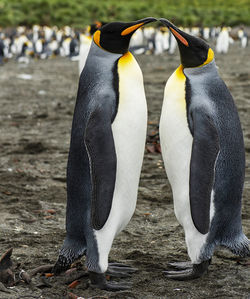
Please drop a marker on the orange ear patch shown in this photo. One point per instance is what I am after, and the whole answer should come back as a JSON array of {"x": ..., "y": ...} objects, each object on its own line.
[
  {"x": 131, "y": 29},
  {"x": 96, "y": 38},
  {"x": 180, "y": 38}
]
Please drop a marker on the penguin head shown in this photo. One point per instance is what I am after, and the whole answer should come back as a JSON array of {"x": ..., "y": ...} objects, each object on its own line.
[
  {"x": 115, "y": 37},
  {"x": 91, "y": 29},
  {"x": 194, "y": 51}
]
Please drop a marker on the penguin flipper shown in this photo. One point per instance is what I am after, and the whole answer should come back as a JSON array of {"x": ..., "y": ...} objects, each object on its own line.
[
  {"x": 101, "y": 151},
  {"x": 202, "y": 167}
]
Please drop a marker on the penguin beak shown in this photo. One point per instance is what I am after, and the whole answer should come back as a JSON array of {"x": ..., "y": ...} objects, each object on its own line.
[
  {"x": 137, "y": 24},
  {"x": 179, "y": 35}
]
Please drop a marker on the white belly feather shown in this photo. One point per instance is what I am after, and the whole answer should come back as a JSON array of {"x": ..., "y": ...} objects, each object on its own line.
[
  {"x": 176, "y": 139},
  {"x": 176, "y": 144},
  {"x": 129, "y": 132}
]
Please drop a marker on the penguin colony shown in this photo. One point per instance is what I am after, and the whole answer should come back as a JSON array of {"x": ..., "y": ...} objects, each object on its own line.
[
  {"x": 200, "y": 134},
  {"x": 45, "y": 42}
]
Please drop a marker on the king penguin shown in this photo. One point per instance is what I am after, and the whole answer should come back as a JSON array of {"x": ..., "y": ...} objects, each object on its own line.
[
  {"x": 203, "y": 152},
  {"x": 223, "y": 41},
  {"x": 106, "y": 152},
  {"x": 1, "y": 51}
]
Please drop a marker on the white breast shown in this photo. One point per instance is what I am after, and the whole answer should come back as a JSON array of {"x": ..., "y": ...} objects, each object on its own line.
[
  {"x": 129, "y": 131},
  {"x": 84, "y": 51},
  {"x": 176, "y": 139},
  {"x": 176, "y": 145}
]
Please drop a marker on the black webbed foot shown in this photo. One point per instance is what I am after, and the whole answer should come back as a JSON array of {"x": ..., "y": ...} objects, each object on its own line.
[
  {"x": 98, "y": 280},
  {"x": 196, "y": 271},
  {"x": 120, "y": 270},
  {"x": 181, "y": 265}
]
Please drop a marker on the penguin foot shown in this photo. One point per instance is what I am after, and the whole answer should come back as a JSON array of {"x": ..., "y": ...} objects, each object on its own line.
[
  {"x": 196, "y": 271},
  {"x": 181, "y": 265},
  {"x": 98, "y": 280},
  {"x": 62, "y": 264},
  {"x": 66, "y": 257},
  {"x": 120, "y": 270}
]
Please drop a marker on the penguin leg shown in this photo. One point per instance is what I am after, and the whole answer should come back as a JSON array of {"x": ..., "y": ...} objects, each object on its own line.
[
  {"x": 63, "y": 263},
  {"x": 196, "y": 271},
  {"x": 99, "y": 281},
  {"x": 71, "y": 251}
]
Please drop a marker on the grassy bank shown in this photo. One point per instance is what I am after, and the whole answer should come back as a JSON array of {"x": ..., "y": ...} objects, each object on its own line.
[{"x": 82, "y": 12}]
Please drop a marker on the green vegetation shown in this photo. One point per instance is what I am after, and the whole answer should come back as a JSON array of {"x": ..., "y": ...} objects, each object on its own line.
[{"x": 82, "y": 12}]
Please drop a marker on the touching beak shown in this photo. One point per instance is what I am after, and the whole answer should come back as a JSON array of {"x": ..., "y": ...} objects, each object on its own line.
[
  {"x": 179, "y": 35},
  {"x": 137, "y": 24}
]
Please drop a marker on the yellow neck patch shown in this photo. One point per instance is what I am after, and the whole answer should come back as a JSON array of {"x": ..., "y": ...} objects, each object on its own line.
[
  {"x": 131, "y": 29},
  {"x": 179, "y": 72},
  {"x": 210, "y": 56},
  {"x": 125, "y": 59}
]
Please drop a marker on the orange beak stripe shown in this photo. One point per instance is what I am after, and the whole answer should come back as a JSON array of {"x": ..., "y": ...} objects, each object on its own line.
[
  {"x": 180, "y": 38},
  {"x": 131, "y": 29}
]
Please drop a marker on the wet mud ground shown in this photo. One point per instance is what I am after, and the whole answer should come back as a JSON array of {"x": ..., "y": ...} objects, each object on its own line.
[{"x": 35, "y": 124}]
